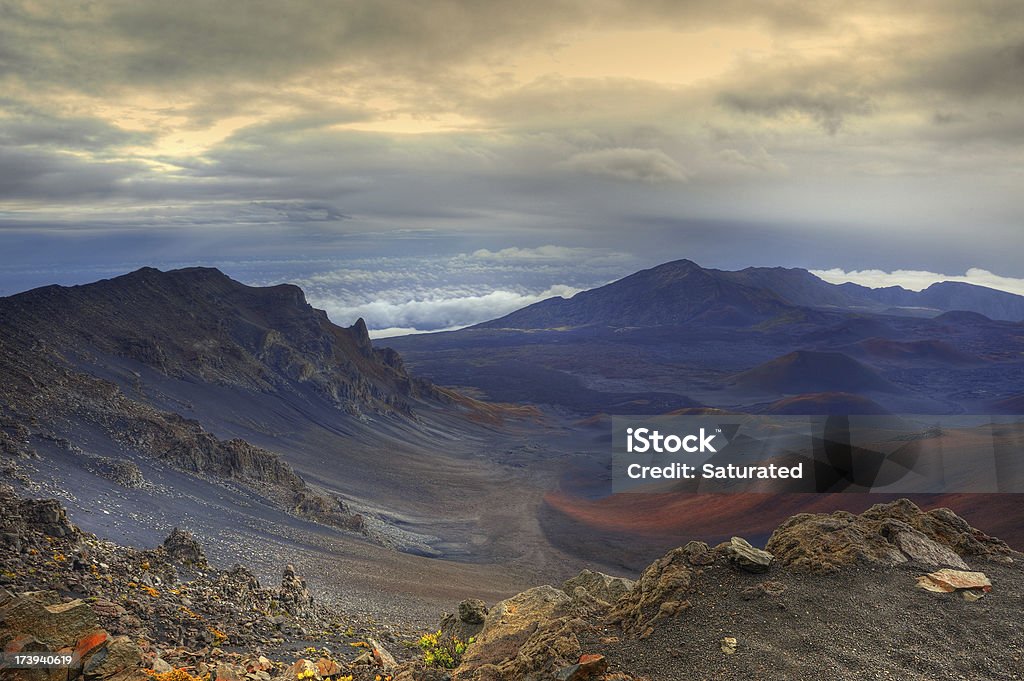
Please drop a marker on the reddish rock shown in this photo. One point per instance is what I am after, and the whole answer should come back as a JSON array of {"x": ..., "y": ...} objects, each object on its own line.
[
  {"x": 89, "y": 643},
  {"x": 302, "y": 670},
  {"x": 24, "y": 643},
  {"x": 593, "y": 665},
  {"x": 588, "y": 667},
  {"x": 327, "y": 667},
  {"x": 381, "y": 655}
]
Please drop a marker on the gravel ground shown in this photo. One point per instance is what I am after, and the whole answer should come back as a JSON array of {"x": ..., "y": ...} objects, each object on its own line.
[{"x": 862, "y": 623}]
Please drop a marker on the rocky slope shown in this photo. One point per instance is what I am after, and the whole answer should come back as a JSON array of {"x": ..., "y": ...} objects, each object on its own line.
[
  {"x": 200, "y": 325},
  {"x": 895, "y": 592},
  {"x": 82, "y": 372}
]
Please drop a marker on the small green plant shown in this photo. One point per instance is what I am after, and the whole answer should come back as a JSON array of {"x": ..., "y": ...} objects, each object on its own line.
[{"x": 439, "y": 651}]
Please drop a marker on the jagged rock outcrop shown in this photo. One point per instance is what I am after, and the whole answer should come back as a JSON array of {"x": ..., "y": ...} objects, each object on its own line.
[
  {"x": 183, "y": 549},
  {"x": 886, "y": 534},
  {"x": 198, "y": 324},
  {"x": 660, "y": 593},
  {"x": 23, "y": 516},
  {"x": 293, "y": 595},
  {"x": 529, "y": 636},
  {"x": 125, "y": 473},
  {"x": 41, "y": 391},
  {"x": 747, "y": 557},
  {"x": 466, "y": 622},
  {"x": 599, "y": 585},
  {"x": 87, "y": 358}
]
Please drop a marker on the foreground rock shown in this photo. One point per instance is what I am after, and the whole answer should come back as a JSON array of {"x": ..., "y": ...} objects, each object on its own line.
[
  {"x": 120, "y": 611},
  {"x": 660, "y": 593},
  {"x": 746, "y": 557},
  {"x": 531, "y": 635},
  {"x": 885, "y": 534},
  {"x": 599, "y": 585},
  {"x": 696, "y": 612},
  {"x": 948, "y": 581}
]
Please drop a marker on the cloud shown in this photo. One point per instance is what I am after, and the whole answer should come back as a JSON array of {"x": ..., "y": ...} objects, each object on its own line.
[
  {"x": 394, "y": 331},
  {"x": 549, "y": 252},
  {"x": 42, "y": 129},
  {"x": 916, "y": 280},
  {"x": 435, "y": 313},
  {"x": 488, "y": 124},
  {"x": 756, "y": 159},
  {"x": 829, "y": 107},
  {"x": 56, "y": 177},
  {"x": 635, "y": 165}
]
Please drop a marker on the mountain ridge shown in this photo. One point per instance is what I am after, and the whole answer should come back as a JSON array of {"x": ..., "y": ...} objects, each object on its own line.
[
  {"x": 83, "y": 367},
  {"x": 651, "y": 297},
  {"x": 199, "y": 324}
]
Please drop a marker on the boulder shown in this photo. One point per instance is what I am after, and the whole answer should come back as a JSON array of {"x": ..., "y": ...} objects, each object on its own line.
[
  {"x": 55, "y": 625},
  {"x": 659, "y": 593},
  {"x": 920, "y": 549},
  {"x": 472, "y": 611},
  {"x": 699, "y": 553},
  {"x": 120, "y": 654},
  {"x": 746, "y": 557},
  {"x": 531, "y": 635},
  {"x": 948, "y": 581},
  {"x": 302, "y": 670},
  {"x": 601, "y": 586},
  {"x": 228, "y": 672},
  {"x": 293, "y": 595},
  {"x": 381, "y": 655},
  {"x": 183, "y": 550},
  {"x": 588, "y": 667},
  {"x": 885, "y": 534}
]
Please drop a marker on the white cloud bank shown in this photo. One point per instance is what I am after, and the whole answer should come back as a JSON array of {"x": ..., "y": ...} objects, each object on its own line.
[
  {"x": 399, "y": 317},
  {"x": 916, "y": 280},
  {"x": 549, "y": 252}
]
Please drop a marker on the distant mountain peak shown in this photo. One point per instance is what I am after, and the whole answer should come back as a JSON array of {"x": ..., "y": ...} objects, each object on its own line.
[
  {"x": 681, "y": 291},
  {"x": 673, "y": 293}
]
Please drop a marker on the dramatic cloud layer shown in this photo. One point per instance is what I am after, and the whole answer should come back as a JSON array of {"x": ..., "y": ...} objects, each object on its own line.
[{"x": 874, "y": 135}]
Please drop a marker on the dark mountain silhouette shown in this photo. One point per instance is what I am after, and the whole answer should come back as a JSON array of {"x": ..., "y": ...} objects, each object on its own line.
[
  {"x": 690, "y": 331},
  {"x": 944, "y": 296},
  {"x": 806, "y": 371},
  {"x": 955, "y": 295},
  {"x": 681, "y": 292},
  {"x": 796, "y": 286},
  {"x": 675, "y": 293},
  {"x": 963, "y": 317},
  {"x": 200, "y": 325}
]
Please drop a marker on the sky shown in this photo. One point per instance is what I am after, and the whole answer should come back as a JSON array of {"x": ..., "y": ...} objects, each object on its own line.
[{"x": 430, "y": 164}]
